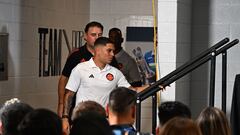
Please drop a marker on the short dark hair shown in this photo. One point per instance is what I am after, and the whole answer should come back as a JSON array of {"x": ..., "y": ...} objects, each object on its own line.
[
  {"x": 115, "y": 35},
  {"x": 102, "y": 41},
  {"x": 88, "y": 106},
  {"x": 171, "y": 109},
  {"x": 12, "y": 115},
  {"x": 117, "y": 30},
  {"x": 90, "y": 123},
  {"x": 93, "y": 24},
  {"x": 121, "y": 99},
  {"x": 41, "y": 122}
]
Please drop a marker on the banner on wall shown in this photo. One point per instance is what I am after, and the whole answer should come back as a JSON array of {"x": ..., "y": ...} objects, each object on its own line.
[
  {"x": 144, "y": 59},
  {"x": 146, "y": 65}
]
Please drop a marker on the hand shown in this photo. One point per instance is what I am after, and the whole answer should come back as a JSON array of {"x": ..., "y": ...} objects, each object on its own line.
[
  {"x": 65, "y": 126},
  {"x": 162, "y": 87}
]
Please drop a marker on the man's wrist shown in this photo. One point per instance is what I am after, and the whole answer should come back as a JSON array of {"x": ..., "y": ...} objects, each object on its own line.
[{"x": 65, "y": 116}]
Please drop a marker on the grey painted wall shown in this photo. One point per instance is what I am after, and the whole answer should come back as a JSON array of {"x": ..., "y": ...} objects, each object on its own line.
[
  {"x": 211, "y": 22},
  {"x": 185, "y": 29}
]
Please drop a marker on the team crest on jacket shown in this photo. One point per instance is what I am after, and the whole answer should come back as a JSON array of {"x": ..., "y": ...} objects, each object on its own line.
[{"x": 110, "y": 76}]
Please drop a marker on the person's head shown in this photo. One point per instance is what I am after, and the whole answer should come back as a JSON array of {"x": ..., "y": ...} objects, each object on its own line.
[
  {"x": 90, "y": 123},
  {"x": 41, "y": 122},
  {"x": 88, "y": 106},
  {"x": 93, "y": 30},
  {"x": 171, "y": 109},
  {"x": 103, "y": 50},
  {"x": 115, "y": 35},
  {"x": 11, "y": 114},
  {"x": 213, "y": 121},
  {"x": 121, "y": 105},
  {"x": 180, "y": 126}
]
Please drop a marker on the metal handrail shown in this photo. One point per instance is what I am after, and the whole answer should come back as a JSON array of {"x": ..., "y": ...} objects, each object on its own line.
[
  {"x": 207, "y": 55},
  {"x": 146, "y": 93}
]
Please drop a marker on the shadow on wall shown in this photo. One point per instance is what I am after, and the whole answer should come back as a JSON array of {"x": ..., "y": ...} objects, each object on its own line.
[
  {"x": 199, "y": 94},
  {"x": 192, "y": 39},
  {"x": 183, "y": 47}
]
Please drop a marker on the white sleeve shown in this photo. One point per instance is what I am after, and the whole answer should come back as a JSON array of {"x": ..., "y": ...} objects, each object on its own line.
[
  {"x": 122, "y": 82},
  {"x": 74, "y": 80}
]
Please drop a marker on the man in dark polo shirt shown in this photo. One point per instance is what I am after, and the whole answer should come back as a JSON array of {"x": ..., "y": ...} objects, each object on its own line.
[{"x": 93, "y": 30}]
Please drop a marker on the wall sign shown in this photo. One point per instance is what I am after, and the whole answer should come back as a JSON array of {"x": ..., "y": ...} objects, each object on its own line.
[{"x": 50, "y": 49}]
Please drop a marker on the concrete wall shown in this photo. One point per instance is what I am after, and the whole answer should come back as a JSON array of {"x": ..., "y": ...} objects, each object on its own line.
[
  {"x": 174, "y": 44},
  {"x": 211, "y": 22},
  {"x": 21, "y": 19},
  {"x": 183, "y": 48},
  {"x": 167, "y": 43},
  {"x": 185, "y": 29}
]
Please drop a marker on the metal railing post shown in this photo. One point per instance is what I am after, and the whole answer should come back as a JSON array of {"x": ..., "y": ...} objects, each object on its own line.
[
  {"x": 154, "y": 113},
  {"x": 212, "y": 78},
  {"x": 224, "y": 80},
  {"x": 138, "y": 115}
]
